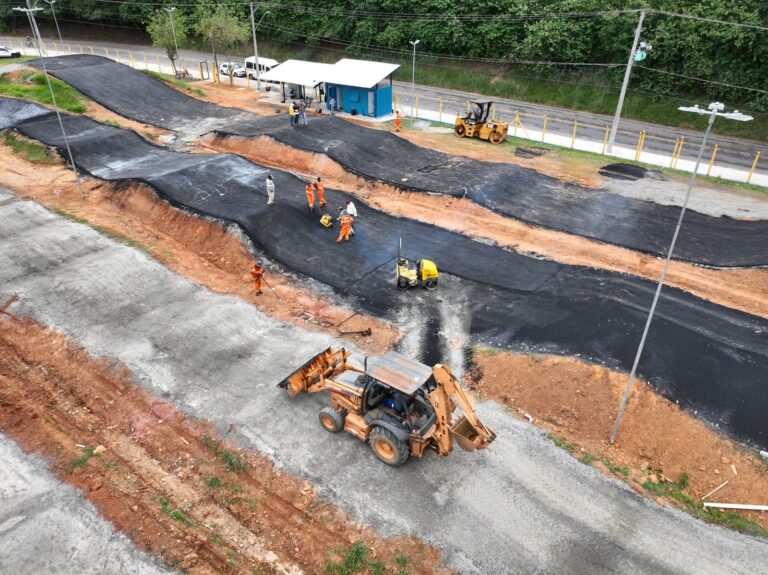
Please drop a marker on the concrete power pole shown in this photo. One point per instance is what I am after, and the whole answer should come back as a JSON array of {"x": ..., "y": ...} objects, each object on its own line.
[{"x": 627, "y": 73}]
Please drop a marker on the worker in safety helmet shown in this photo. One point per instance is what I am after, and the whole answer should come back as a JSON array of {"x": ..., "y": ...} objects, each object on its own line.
[
  {"x": 310, "y": 189},
  {"x": 320, "y": 191},
  {"x": 346, "y": 225},
  {"x": 257, "y": 273},
  {"x": 352, "y": 211},
  {"x": 398, "y": 121}
]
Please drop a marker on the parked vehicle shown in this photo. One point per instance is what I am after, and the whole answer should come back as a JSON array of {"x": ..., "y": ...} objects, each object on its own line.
[
  {"x": 6, "y": 52},
  {"x": 235, "y": 70},
  {"x": 265, "y": 65}
]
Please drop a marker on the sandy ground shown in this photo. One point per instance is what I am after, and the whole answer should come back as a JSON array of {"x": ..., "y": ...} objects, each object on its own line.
[
  {"x": 202, "y": 250},
  {"x": 166, "y": 481},
  {"x": 657, "y": 440},
  {"x": 744, "y": 289}
]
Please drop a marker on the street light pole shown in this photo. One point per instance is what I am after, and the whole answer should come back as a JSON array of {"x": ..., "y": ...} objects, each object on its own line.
[
  {"x": 413, "y": 43},
  {"x": 173, "y": 29},
  {"x": 255, "y": 45},
  {"x": 627, "y": 73},
  {"x": 715, "y": 110},
  {"x": 51, "y": 3},
  {"x": 30, "y": 11}
]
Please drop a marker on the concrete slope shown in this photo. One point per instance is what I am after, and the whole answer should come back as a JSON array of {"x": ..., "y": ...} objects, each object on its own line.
[
  {"x": 701, "y": 355},
  {"x": 522, "y": 506},
  {"x": 48, "y": 527},
  {"x": 508, "y": 189}
]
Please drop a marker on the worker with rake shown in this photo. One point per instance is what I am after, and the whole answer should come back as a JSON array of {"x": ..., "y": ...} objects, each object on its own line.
[
  {"x": 257, "y": 273},
  {"x": 310, "y": 189}
]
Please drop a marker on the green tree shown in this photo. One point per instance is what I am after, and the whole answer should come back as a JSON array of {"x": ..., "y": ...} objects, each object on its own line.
[
  {"x": 162, "y": 27},
  {"x": 222, "y": 27}
]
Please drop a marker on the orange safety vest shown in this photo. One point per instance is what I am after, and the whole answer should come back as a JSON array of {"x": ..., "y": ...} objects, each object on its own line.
[
  {"x": 257, "y": 273},
  {"x": 320, "y": 189},
  {"x": 346, "y": 220},
  {"x": 310, "y": 191}
]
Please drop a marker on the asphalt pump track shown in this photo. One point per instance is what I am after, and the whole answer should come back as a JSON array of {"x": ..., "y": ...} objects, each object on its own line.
[
  {"x": 507, "y": 189},
  {"x": 706, "y": 357}
]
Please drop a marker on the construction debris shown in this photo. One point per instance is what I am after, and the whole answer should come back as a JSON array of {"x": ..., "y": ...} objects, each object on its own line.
[
  {"x": 737, "y": 506},
  {"x": 715, "y": 490}
]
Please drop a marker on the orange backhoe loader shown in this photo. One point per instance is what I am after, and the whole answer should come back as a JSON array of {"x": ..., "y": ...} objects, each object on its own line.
[{"x": 398, "y": 405}]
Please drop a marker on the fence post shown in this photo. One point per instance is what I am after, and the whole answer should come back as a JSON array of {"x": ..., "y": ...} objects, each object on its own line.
[
  {"x": 544, "y": 128},
  {"x": 639, "y": 147},
  {"x": 605, "y": 139},
  {"x": 754, "y": 165},
  {"x": 417, "y": 106},
  {"x": 106, "y": 53},
  {"x": 680, "y": 150},
  {"x": 130, "y": 59},
  {"x": 201, "y": 70},
  {"x": 674, "y": 152},
  {"x": 573, "y": 136},
  {"x": 516, "y": 122},
  {"x": 712, "y": 159},
  {"x": 81, "y": 48},
  {"x": 467, "y": 107},
  {"x": 440, "y": 113},
  {"x": 91, "y": 48},
  {"x": 69, "y": 48}
]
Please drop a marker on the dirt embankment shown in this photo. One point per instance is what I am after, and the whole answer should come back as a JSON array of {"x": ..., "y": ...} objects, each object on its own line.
[
  {"x": 166, "y": 481},
  {"x": 657, "y": 439},
  {"x": 196, "y": 248},
  {"x": 743, "y": 289}
]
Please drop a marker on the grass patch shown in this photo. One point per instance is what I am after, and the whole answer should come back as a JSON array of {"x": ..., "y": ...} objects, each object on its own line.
[
  {"x": 213, "y": 482},
  {"x": 617, "y": 470},
  {"x": 486, "y": 349},
  {"x": 354, "y": 560},
  {"x": 588, "y": 459},
  {"x": 175, "y": 514},
  {"x": 82, "y": 460},
  {"x": 675, "y": 490},
  {"x": 31, "y": 151},
  {"x": 113, "y": 123},
  {"x": 31, "y": 85},
  {"x": 175, "y": 82},
  {"x": 561, "y": 443},
  {"x": 233, "y": 462}
]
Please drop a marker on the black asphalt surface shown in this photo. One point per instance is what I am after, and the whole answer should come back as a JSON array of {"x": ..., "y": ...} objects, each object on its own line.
[
  {"x": 710, "y": 359},
  {"x": 374, "y": 154}
]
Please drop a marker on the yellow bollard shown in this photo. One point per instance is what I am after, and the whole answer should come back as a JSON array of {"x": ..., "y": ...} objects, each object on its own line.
[
  {"x": 106, "y": 53},
  {"x": 674, "y": 152},
  {"x": 754, "y": 165},
  {"x": 573, "y": 136},
  {"x": 679, "y": 150},
  {"x": 91, "y": 47},
  {"x": 81, "y": 48},
  {"x": 69, "y": 48},
  {"x": 605, "y": 139},
  {"x": 544, "y": 128},
  {"x": 130, "y": 60},
  {"x": 231, "y": 78},
  {"x": 639, "y": 147},
  {"x": 712, "y": 159},
  {"x": 201, "y": 70},
  {"x": 440, "y": 112},
  {"x": 417, "y": 106},
  {"x": 516, "y": 123}
]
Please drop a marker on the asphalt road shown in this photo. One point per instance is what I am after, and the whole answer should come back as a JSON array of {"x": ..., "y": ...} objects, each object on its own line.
[
  {"x": 522, "y": 506},
  {"x": 732, "y": 152}
]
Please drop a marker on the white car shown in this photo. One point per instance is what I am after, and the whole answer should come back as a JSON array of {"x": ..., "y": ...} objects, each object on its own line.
[
  {"x": 236, "y": 70},
  {"x": 8, "y": 53}
]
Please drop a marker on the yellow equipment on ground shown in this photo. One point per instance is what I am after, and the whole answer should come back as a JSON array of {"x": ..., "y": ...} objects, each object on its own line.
[
  {"x": 476, "y": 124},
  {"x": 326, "y": 220},
  {"x": 410, "y": 273},
  {"x": 398, "y": 405}
]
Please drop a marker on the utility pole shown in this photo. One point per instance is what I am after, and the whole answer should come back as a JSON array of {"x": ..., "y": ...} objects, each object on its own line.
[
  {"x": 255, "y": 45},
  {"x": 413, "y": 43},
  {"x": 51, "y": 3},
  {"x": 30, "y": 11},
  {"x": 627, "y": 74},
  {"x": 715, "y": 110},
  {"x": 175, "y": 44}
]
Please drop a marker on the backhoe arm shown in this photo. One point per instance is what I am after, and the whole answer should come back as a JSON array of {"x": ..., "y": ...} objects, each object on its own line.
[
  {"x": 468, "y": 430},
  {"x": 311, "y": 376}
]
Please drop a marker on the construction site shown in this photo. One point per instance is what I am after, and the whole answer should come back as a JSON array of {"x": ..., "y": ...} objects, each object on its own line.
[{"x": 238, "y": 343}]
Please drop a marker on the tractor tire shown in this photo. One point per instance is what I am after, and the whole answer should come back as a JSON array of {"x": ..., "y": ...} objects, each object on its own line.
[
  {"x": 402, "y": 283},
  {"x": 496, "y": 137},
  {"x": 430, "y": 284},
  {"x": 460, "y": 130},
  {"x": 331, "y": 420},
  {"x": 388, "y": 448}
]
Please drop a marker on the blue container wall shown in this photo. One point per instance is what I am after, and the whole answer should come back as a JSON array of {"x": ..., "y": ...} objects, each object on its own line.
[
  {"x": 383, "y": 101},
  {"x": 350, "y": 98},
  {"x": 355, "y": 99}
]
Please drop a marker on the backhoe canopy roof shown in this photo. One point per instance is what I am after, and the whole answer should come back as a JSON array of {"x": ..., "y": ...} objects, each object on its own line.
[{"x": 400, "y": 372}]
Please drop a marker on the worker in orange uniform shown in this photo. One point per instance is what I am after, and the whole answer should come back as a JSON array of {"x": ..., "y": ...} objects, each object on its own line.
[
  {"x": 310, "y": 189},
  {"x": 257, "y": 273},
  {"x": 320, "y": 191},
  {"x": 346, "y": 225},
  {"x": 398, "y": 121}
]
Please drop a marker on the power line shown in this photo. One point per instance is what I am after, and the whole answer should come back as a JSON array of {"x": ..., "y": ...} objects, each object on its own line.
[
  {"x": 710, "y": 20},
  {"x": 703, "y": 80}
]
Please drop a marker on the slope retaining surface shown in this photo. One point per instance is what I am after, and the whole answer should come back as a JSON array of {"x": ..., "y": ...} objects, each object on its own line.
[
  {"x": 704, "y": 356},
  {"x": 522, "y": 506},
  {"x": 508, "y": 189}
]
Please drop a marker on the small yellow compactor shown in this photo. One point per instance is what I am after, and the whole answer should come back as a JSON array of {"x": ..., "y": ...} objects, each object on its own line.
[{"x": 398, "y": 405}]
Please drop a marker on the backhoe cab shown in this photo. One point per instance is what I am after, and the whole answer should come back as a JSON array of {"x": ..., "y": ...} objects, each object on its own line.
[
  {"x": 476, "y": 124},
  {"x": 412, "y": 273},
  {"x": 400, "y": 406}
]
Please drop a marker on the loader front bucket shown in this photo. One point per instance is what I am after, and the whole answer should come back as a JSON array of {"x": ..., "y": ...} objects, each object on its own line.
[
  {"x": 312, "y": 373},
  {"x": 468, "y": 437}
]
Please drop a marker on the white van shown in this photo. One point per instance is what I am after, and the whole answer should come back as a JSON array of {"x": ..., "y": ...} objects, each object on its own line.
[{"x": 265, "y": 65}]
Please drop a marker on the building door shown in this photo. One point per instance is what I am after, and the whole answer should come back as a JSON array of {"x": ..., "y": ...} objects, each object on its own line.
[{"x": 371, "y": 105}]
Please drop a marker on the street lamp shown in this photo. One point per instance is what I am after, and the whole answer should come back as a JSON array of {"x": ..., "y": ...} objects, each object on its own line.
[
  {"x": 413, "y": 43},
  {"x": 715, "y": 109},
  {"x": 51, "y": 3},
  {"x": 635, "y": 55},
  {"x": 255, "y": 46},
  {"x": 173, "y": 29}
]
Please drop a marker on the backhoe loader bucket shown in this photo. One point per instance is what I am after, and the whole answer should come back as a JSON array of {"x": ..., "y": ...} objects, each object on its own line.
[
  {"x": 469, "y": 438},
  {"x": 309, "y": 377}
]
